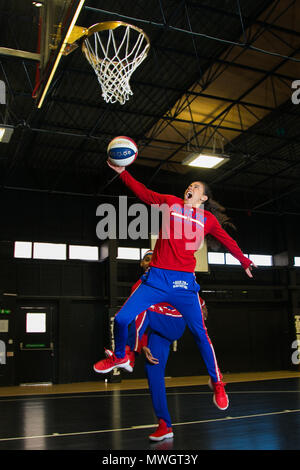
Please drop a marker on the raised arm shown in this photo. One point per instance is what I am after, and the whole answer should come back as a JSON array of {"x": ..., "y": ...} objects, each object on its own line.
[
  {"x": 220, "y": 234},
  {"x": 139, "y": 189}
]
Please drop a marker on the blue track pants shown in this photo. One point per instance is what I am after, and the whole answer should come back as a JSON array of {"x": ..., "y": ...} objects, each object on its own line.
[
  {"x": 180, "y": 290},
  {"x": 159, "y": 346},
  {"x": 162, "y": 330}
]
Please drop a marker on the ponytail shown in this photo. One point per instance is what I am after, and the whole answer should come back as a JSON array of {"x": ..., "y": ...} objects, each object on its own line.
[{"x": 220, "y": 213}]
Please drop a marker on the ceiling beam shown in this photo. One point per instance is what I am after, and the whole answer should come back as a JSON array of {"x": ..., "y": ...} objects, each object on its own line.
[
  {"x": 166, "y": 88},
  {"x": 77, "y": 133},
  {"x": 293, "y": 188},
  {"x": 221, "y": 61},
  {"x": 139, "y": 113},
  {"x": 230, "y": 14}
]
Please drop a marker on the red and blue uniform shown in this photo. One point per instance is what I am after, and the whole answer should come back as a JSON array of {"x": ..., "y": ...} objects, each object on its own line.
[{"x": 170, "y": 278}]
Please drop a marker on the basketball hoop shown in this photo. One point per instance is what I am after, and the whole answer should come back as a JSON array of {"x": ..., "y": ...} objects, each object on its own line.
[{"x": 115, "y": 49}]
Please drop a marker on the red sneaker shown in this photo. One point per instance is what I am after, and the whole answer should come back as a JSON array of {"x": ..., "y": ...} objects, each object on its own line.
[
  {"x": 162, "y": 432},
  {"x": 130, "y": 355},
  {"x": 106, "y": 365},
  {"x": 220, "y": 398}
]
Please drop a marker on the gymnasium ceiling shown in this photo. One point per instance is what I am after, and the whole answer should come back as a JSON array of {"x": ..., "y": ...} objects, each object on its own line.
[{"x": 227, "y": 87}]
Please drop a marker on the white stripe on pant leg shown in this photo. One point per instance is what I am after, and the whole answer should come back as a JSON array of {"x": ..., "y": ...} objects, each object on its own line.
[{"x": 210, "y": 343}]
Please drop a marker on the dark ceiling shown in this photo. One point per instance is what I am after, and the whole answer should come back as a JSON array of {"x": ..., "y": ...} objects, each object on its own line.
[{"x": 228, "y": 84}]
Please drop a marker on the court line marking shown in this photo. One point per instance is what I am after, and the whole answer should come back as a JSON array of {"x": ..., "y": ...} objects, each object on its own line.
[
  {"x": 132, "y": 428},
  {"x": 41, "y": 397}
]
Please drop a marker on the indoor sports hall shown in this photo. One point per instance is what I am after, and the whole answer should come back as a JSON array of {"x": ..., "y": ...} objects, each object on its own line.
[{"x": 108, "y": 111}]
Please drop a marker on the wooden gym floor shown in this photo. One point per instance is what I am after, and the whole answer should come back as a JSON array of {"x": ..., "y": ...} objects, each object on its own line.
[{"x": 264, "y": 414}]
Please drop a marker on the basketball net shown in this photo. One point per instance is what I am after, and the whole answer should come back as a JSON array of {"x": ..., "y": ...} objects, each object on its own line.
[{"x": 115, "y": 50}]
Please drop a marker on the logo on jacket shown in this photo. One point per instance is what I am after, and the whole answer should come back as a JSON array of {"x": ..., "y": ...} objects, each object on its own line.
[{"x": 182, "y": 284}]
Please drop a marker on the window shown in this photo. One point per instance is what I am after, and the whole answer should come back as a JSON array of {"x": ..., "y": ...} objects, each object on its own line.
[
  {"x": 231, "y": 259},
  {"x": 216, "y": 258},
  {"x": 297, "y": 261},
  {"x": 131, "y": 253},
  {"x": 128, "y": 253},
  {"x": 49, "y": 251},
  {"x": 23, "y": 250},
  {"x": 35, "y": 322},
  {"x": 262, "y": 260},
  {"x": 90, "y": 253}
]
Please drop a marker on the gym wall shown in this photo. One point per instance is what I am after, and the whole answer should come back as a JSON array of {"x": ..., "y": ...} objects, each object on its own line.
[{"x": 250, "y": 321}]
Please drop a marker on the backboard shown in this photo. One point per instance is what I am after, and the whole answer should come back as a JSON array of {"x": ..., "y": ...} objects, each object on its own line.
[{"x": 57, "y": 19}]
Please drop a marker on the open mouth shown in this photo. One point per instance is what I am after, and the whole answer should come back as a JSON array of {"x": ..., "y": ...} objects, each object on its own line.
[{"x": 189, "y": 195}]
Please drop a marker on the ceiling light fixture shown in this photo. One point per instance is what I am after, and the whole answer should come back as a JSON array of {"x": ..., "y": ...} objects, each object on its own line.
[{"x": 204, "y": 160}]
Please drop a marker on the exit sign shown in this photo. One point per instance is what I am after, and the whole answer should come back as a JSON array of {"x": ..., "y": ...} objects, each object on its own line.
[{"x": 5, "y": 311}]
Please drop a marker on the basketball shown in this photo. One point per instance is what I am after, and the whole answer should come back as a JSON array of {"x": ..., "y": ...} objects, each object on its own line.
[{"x": 122, "y": 151}]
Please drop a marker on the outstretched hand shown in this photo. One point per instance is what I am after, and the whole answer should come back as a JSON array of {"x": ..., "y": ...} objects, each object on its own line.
[
  {"x": 118, "y": 169},
  {"x": 149, "y": 356},
  {"x": 249, "y": 269}
]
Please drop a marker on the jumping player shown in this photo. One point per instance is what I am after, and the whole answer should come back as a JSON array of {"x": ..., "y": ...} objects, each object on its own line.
[{"x": 171, "y": 275}]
